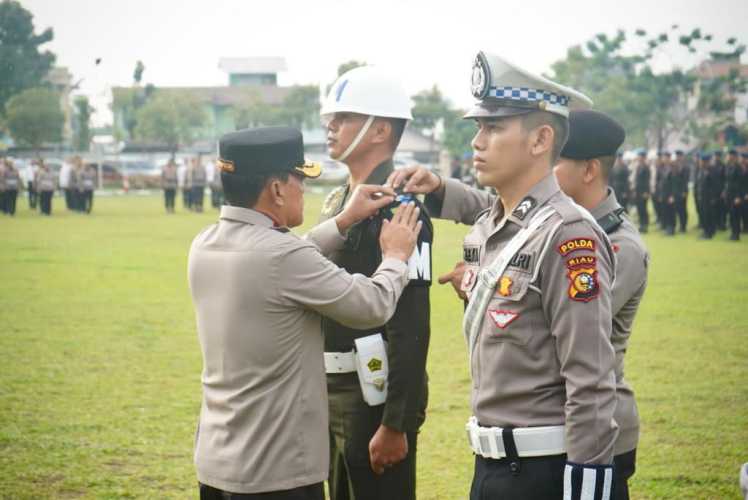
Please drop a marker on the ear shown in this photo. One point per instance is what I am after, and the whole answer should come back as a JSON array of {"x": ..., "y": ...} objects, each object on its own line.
[
  {"x": 277, "y": 193},
  {"x": 592, "y": 170},
  {"x": 541, "y": 140},
  {"x": 381, "y": 131}
]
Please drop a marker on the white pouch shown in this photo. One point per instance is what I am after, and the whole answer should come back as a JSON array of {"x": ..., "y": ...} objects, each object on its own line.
[{"x": 372, "y": 368}]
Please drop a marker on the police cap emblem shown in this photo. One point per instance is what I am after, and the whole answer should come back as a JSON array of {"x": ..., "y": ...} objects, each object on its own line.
[{"x": 481, "y": 77}]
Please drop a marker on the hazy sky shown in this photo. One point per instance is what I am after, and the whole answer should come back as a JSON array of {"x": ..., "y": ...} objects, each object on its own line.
[{"x": 428, "y": 42}]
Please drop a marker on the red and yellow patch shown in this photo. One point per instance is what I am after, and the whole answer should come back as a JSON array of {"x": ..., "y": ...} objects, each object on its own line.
[
  {"x": 582, "y": 260},
  {"x": 574, "y": 244},
  {"x": 583, "y": 285}
]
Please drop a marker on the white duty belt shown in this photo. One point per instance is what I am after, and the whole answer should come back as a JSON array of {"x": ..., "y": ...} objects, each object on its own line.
[
  {"x": 340, "y": 362},
  {"x": 530, "y": 441}
]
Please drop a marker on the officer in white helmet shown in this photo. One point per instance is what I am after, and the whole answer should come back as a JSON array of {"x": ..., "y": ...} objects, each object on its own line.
[
  {"x": 376, "y": 378},
  {"x": 537, "y": 278}
]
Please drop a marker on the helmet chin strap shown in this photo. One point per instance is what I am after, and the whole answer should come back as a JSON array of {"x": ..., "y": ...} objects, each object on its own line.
[{"x": 356, "y": 140}]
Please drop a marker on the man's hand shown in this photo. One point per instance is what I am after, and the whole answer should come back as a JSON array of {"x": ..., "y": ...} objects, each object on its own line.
[
  {"x": 387, "y": 448},
  {"x": 398, "y": 237},
  {"x": 455, "y": 278},
  {"x": 365, "y": 201},
  {"x": 415, "y": 179}
]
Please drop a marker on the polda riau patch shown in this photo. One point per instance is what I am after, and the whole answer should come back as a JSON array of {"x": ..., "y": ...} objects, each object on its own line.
[
  {"x": 583, "y": 285},
  {"x": 581, "y": 260},
  {"x": 574, "y": 244}
]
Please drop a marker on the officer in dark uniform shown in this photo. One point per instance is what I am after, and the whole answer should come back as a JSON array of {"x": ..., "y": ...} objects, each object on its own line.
[
  {"x": 733, "y": 193},
  {"x": 682, "y": 176},
  {"x": 619, "y": 181},
  {"x": 659, "y": 176},
  {"x": 667, "y": 192},
  {"x": 709, "y": 195},
  {"x": 374, "y": 418},
  {"x": 642, "y": 176},
  {"x": 719, "y": 169},
  {"x": 698, "y": 179}
]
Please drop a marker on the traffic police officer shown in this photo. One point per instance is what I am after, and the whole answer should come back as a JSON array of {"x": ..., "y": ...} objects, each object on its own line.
[
  {"x": 258, "y": 292},
  {"x": 538, "y": 319},
  {"x": 642, "y": 176},
  {"x": 734, "y": 193},
  {"x": 374, "y": 441},
  {"x": 46, "y": 183},
  {"x": 582, "y": 174},
  {"x": 170, "y": 183}
]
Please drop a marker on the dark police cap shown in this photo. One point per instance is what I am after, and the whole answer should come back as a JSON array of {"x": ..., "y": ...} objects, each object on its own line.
[
  {"x": 678, "y": 152},
  {"x": 265, "y": 150},
  {"x": 718, "y": 153},
  {"x": 733, "y": 151},
  {"x": 706, "y": 156},
  {"x": 592, "y": 134}
]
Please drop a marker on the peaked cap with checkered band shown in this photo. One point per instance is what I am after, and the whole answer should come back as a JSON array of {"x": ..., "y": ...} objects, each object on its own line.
[{"x": 504, "y": 89}]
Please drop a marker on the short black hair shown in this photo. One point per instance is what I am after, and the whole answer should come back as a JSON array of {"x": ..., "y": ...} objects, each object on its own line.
[
  {"x": 244, "y": 191},
  {"x": 559, "y": 124},
  {"x": 606, "y": 164},
  {"x": 398, "y": 128}
]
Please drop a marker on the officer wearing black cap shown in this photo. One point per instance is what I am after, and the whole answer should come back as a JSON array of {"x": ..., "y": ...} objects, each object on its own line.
[
  {"x": 642, "y": 189},
  {"x": 619, "y": 180},
  {"x": 666, "y": 191},
  {"x": 582, "y": 173},
  {"x": 744, "y": 166},
  {"x": 259, "y": 293},
  {"x": 537, "y": 278},
  {"x": 719, "y": 168},
  {"x": 734, "y": 192},
  {"x": 708, "y": 194},
  {"x": 682, "y": 174}
]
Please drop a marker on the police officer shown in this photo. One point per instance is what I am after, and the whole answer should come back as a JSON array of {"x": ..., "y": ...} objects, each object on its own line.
[
  {"x": 582, "y": 174},
  {"x": 734, "y": 193},
  {"x": 709, "y": 195},
  {"x": 744, "y": 165},
  {"x": 538, "y": 319},
  {"x": 88, "y": 178},
  {"x": 46, "y": 183},
  {"x": 619, "y": 181},
  {"x": 642, "y": 191},
  {"x": 3, "y": 203},
  {"x": 216, "y": 189},
  {"x": 667, "y": 186},
  {"x": 682, "y": 174},
  {"x": 719, "y": 169},
  {"x": 258, "y": 292},
  {"x": 374, "y": 440},
  {"x": 197, "y": 178},
  {"x": 12, "y": 183},
  {"x": 169, "y": 183}
]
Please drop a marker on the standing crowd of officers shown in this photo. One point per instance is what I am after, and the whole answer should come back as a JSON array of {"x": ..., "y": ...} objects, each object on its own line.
[
  {"x": 191, "y": 177},
  {"x": 720, "y": 189},
  {"x": 40, "y": 181}
]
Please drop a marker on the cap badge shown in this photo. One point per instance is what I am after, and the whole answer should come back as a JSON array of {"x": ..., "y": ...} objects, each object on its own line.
[
  {"x": 480, "y": 80},
  {"x": 225, "y": 165}
]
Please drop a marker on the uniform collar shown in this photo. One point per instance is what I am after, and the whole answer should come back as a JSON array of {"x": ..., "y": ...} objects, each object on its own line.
[
  {"x": 245, "y": 215},
  {"x": 608, "y": 205},
  {"x": 538, "y": 195},
  {"x": 380, "y": 174}
]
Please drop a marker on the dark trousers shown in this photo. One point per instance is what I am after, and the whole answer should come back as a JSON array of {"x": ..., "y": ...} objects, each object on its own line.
[
  {"x": 311, "y": 492},
  {"x": 86, "y": 201},
  {"x": 709, "y": 218},
  {"x": 624, "y": 468},
  {"x": 352, "y": 425},
  {"x": 642, "y": 212},
  {"x": 11, "y": 195},
  {"x": 187, "y": 198},
  {"x": 169, "y": 195},
  {"x": 681, "y": 211},
  {"x": 197, "y": 198},
  {"x": 45, "y": 202},
  {"x": 721, "y": 215},
  {"x": 69, "y": 199},
  {"x": 735, "y": 216},
  {"x": 657, "y": 205},
  {"x": 3, "y": 202},
  {"x": 535, "y": 478},
  {"x": 32, "y": 195},
  {"x": 667, "y": 216},
  {"x": 745, "y": 215}
]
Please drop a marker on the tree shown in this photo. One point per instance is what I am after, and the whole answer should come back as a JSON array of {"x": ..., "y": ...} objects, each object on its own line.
[
  {"x": 458, "y": 133},
  {"x": 137, "y": 75},
  {"x": 83, "y": 110},
  {"x": 170, "y": 119},
  {"x": 22, "y": 65},
  {"x": 430, "y": 109},
  {"x": 300, "y": 107},
  {"x": 34, "y": 117}
]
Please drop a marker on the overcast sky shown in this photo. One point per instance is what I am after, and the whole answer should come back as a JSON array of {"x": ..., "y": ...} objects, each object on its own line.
[{"x": 428, "y": 42}]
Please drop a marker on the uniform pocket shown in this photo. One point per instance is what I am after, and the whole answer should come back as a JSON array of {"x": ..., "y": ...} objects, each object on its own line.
[{"x": 505, "y": 319}]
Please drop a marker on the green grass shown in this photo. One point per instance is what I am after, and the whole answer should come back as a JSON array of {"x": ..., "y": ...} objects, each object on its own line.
[{"x": 100, "y": 370}]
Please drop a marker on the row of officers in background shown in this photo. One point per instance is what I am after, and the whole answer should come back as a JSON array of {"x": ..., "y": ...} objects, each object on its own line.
[
  {"x": 720, "y": 188},
  {"x": 40, "y": 181},
  {"x": 192, "y": 180}
]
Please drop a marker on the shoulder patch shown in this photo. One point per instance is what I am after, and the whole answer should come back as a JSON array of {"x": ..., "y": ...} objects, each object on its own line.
[
  {"x": 481, "y": 214},
  {"x": 332, "y": 202},
  {"x": 574, "y": 244},
  {"x": 583, "y": 260},
  {"x": 583, "y": 285}
]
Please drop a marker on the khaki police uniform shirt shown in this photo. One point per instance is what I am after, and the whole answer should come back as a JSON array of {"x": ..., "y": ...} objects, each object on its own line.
[
  {"x": 259, "y": 293},
  {"x": 88, "y": 178},
  {"x": 632, "y": 262},
  {"x": 46, "y": 180},
  {"x": 169, "y": 178},
  {"x": 544, "y": 355}
]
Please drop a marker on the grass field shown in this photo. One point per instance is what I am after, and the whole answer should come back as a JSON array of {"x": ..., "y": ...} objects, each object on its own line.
[{"x": 100, "y": 368}]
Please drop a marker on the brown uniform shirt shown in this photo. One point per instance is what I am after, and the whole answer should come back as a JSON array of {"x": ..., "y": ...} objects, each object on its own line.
[
  {"x": 544, "y": 355},
  {"x": 632, "y": 261},
  {"x": 259, "y": 293}
]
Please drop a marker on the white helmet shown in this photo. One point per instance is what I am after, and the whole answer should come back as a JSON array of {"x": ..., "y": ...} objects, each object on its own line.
[{"x": 368, "y": 90}]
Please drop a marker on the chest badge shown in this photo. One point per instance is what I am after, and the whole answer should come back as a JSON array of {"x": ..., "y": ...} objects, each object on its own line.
[
  {"x": 505, "y": 286},
  {"x": 332, "y": 202},
  {"x": 468, "y": 279},
  {"x": 374, "y": 364},
  {"x": 524, "y": 207},
  {"x": 502, "y": 318}
]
